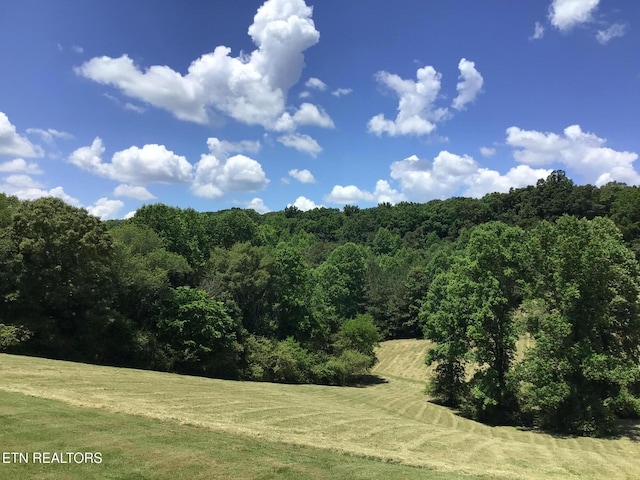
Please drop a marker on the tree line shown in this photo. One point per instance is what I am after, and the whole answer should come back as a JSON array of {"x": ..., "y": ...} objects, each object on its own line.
[{"x": 304, "y": 297}]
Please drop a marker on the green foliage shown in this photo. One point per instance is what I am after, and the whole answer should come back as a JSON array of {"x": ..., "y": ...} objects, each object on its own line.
[
  {"x": 60, "y": 259},
  {"x": 385, "y": 242},
  {"x": 12, "y": 336},
  {"x": 287, "y": 361},
  {"x": 298, "y": 296},
  {"x": 585, "y": 360},
  {"x": 233, "y": 226},
  {"x": 291, "y": 286},
  {"x": 468, "y": 314},
  {"x": 291, "y": 362},
  {"x": 144, "y": 271},
  {"x": 200, "y": 334},
  {"x": 243, "y": 271},
  {"x": 183, "y": 232},
  {"x": 358, "y": 334},
  {"x": 445, "y": 317},
  {"x": 349, "y": 367},
  {"x": 340, "y": 280}
]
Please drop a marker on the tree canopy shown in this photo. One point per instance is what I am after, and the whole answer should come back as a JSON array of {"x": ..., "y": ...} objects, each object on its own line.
[{"x": 304, "y": 296}]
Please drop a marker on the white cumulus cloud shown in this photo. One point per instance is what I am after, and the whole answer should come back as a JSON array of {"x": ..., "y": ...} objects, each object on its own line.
[
  {"x": 303, "y": 176},
  {"x": 487, "y": 152},
  {"x": 339, "y": 92},
  {"x": 149, "y": 164},
  {"x": 217, "y": 174},
  {"x": 566, "y": 14},
  {"x": 538, "y": 32},
  {"x": 49, "y": 135},
  {"x": 89, "y": 158},
  {"x": 222, "y": 148},
  {"x": 348, "y": 194},
  {"x": 11, "y": 143},
  {"x": 469, "y": 86},
  {"x": 304, "y": 204},
  {"x": 582, "y": 152},
  {"x": 302, "y": 143},
  {"x": 315, "y": 83},
  {"x": 105, "y": 209},
  {"x": 351, "y": 194},
  {"x": 134, "y": 108},
  {"x": 421, "y": 180},
  {"x": 250, "y": 88},
  {"x": 258, "y": 205},
  {"x": 130, "y": 191},
  {"x": 139, "y": 166},
  {"x": 25, "y": 188},
  {"x": 487, "y": 181},
  {"x": 416, "y": 112},
  {"x": 19, "y": 165},
  {"x": 308, "y": 114}
]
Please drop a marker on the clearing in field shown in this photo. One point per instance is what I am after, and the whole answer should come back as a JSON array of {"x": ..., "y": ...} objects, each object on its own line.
[{"x": 390, "y": 421}]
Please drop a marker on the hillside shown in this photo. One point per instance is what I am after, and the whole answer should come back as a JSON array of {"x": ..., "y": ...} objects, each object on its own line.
[{"x": 388, "y": 421}]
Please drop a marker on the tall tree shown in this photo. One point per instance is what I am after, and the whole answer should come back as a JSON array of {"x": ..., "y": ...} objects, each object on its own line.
[
  {"x": 63, "y": 280},
  {"x": 586, "y": 358},
  {"x": 291, "y": 284},
  {"x": 243, "y": 272},
  {"x": 496, "y": 268},
  {"x": 468, "y": 313},
  {"x": 199, "y": 333},
  {"x": 341, "y": 280},
  {"x": 445, "y": 317}
]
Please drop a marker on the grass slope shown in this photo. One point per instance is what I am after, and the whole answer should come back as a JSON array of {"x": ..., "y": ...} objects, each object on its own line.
[
  {"x": 135, "y": 447},
  {"x": 389, "y": 421}
]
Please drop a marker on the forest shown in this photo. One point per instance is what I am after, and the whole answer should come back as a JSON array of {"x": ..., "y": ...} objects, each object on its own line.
[{"x": 305, "y": 296}]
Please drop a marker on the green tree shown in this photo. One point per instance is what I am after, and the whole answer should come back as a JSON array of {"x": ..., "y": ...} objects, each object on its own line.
[
  {"x": 63, "y": 278},
  {"x": 585, "y": 361},
  {"x": 341, "y": 280},
  {"x": 385, "y": 242},
  {"x": 468, "y": 313},
  {"x": 625, "y": 212},
  {"x": 496, "y": 267},
  {"x": 183, "y": 231},
  {"x": 291, "y": 286},
  {"x": 359, "y": 334},
  {"x": 199, "y": 332},
  {"x": 145, "y": 271},
  {"x": 244, "y": 272},
  {"x": 234, "y": 226},
  {"x": 445, "y": 317}
]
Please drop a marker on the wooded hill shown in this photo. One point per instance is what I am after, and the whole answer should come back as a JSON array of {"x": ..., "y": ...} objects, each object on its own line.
[{"x": 304, "y": 297}]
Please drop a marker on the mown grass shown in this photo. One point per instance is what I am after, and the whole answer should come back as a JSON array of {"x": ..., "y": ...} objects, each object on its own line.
[
  {"x": 389, "y": 421},
  {"x": 135, "y": 447}
]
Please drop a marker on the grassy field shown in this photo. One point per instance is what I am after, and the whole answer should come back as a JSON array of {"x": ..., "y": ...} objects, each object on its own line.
[{"x": 279, "y": 424}]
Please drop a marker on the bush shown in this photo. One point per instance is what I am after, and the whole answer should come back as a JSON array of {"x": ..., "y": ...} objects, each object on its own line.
[
  {"x": 258, "y": 358},
  {"x": 347, "y": 368},
  {"x": 272, "y": 361},
  {"x": 359, "y": 334},
  {"x": 292, "y": 363},
  {"x": 12, "y": 336}
]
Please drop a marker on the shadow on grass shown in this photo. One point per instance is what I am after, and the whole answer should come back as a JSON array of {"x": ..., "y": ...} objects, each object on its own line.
[
  {"x": 629, "y": 429},
  {"x": 623, "y": 429},
  {"x": 369, "y": 380}
]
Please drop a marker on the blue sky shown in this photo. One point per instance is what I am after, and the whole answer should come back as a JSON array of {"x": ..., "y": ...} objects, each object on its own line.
[{"x": 217, "y": 104}]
